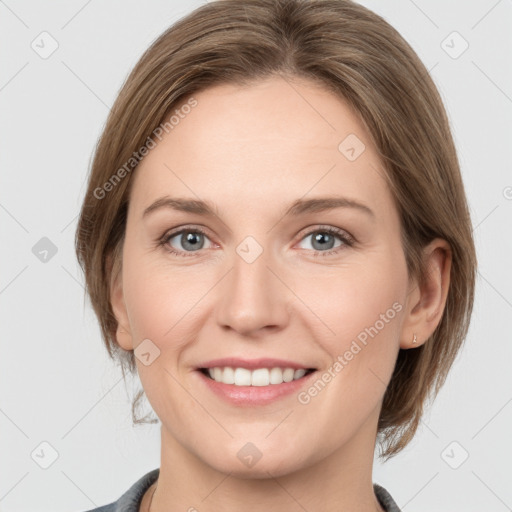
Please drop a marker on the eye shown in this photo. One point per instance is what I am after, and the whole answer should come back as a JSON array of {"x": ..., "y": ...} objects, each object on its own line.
[
  {"x": 190, "y": 239},
  {"x": 324, "y": 238}
]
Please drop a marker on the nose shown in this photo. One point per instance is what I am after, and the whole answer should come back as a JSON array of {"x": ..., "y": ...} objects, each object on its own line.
[{"x": 254, "y": 297}]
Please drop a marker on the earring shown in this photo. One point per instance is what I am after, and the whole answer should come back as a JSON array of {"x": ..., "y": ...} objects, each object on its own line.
[{"x": 414, "y": 340}]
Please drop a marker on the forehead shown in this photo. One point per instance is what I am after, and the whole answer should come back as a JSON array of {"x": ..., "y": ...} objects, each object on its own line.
[{"x": 273, "y": 141}]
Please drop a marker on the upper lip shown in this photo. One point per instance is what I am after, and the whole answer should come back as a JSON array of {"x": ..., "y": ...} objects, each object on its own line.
[{"x": 263, "y": 362}]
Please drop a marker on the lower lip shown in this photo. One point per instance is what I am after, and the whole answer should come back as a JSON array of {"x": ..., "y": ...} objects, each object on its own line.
[{"x": 254, "y": 395}]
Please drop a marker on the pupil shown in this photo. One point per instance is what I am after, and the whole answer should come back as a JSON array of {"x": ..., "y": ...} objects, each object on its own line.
[
  {"x": 323, "y": 236},
  {"x": 192, "y": 239}
]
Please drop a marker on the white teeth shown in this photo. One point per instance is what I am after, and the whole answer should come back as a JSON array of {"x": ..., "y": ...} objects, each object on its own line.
[
  {"x": 228, "y": 377},
  {"x": 288, "y": 375},
  {"x": 258, "y": 377},
  {"x": 242, "y": 377},
  {"x": 298, "y": 374},
  {"x": 217, "y": 373},
  {"x": 276, "y": 376}
]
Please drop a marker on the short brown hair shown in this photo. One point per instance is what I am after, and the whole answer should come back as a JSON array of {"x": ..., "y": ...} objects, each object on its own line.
[{"x": 354, "y": 53}]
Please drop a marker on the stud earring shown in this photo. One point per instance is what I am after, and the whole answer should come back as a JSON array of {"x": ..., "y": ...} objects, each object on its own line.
[{"x": 414, "y": 340}]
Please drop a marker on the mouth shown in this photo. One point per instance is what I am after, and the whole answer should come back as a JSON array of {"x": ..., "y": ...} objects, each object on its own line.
[{"x": 257, "y": 377}]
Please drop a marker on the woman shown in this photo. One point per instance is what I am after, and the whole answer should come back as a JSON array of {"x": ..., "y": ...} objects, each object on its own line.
[{"x": 275, "y": 235}]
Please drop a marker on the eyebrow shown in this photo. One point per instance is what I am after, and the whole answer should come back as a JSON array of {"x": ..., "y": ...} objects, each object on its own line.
[{"x": 298, "y": 207}]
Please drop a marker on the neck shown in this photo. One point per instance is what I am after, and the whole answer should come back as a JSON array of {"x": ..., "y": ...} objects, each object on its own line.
[{"x": 340, "y": 481}]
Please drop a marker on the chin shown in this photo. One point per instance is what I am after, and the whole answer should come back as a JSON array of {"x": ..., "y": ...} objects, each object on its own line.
[{"x": 248, "y": 462}]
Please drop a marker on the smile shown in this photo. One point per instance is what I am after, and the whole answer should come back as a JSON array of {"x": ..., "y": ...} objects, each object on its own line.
[
  {"x": 243, "y": 387},
  {"x": 255, "y": 377}
]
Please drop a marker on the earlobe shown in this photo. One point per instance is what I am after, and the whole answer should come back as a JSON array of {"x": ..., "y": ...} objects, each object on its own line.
[
  {"x": 123, "y": 333},
  {"x": 427, "y": 300},
  {"x": 124, "y": 338}
]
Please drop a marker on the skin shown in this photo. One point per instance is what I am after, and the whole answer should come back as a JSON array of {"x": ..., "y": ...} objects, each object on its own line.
[{"x": 252, "y": 151}]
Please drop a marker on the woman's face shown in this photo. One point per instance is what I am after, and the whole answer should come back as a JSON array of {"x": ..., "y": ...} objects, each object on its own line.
[{"x": 260, "y": 281}]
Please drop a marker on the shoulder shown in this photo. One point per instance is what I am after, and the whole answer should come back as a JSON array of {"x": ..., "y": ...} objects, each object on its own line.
[
  {"x": 130, "y": 500},
  {"x": 385, "y": 499}
]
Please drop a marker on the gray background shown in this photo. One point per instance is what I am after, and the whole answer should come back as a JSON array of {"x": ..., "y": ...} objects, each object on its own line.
[{"x": 57, "y": 384}]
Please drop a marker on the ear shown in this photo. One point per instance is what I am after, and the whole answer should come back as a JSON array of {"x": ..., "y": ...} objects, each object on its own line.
[
  {"x": 426, "y": 301},
  {"x": 123, "y": 332}
]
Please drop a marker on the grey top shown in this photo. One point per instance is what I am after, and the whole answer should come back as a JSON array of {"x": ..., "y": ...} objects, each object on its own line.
[{"x": 130, "y": 500}]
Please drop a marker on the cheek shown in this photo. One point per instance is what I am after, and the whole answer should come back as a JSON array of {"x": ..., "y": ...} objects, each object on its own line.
[
  {"x": 355, "y": 302},
  {"x": 163, "y": 301},
  {"x": 163, "y": 304},
  {"x": 339, "y": 304},
  {"x": 357, "y": 322}
]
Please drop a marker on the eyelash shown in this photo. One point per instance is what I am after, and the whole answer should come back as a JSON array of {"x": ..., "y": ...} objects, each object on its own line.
[{"x": 348, "y": 240}]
